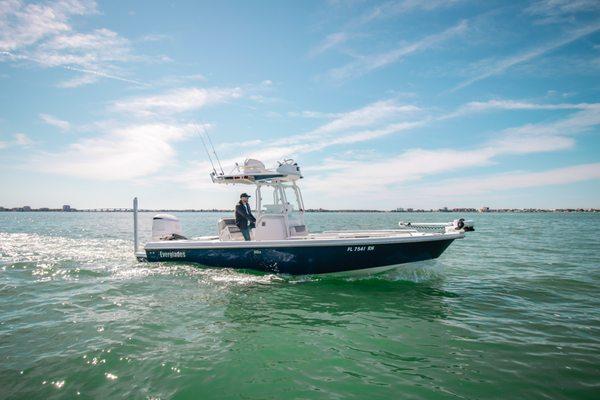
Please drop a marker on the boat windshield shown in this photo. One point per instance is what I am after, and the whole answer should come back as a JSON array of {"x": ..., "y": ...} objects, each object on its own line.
[
  {"x": 270, "y": 199},
  {"x": 292, "y": 198},
  {"x": 274, "y": 198}
]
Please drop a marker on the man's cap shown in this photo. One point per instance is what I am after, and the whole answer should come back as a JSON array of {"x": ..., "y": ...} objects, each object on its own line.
[{"x": 244, "y": 195}]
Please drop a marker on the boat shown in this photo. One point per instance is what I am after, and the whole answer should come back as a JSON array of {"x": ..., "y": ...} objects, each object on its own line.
[{"x": 281, "y": 242}]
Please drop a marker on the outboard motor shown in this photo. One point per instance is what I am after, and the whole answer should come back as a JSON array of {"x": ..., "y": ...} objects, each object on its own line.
[
  {"x": 466, "y": 226},
  {"x": 166, "y": 227}
]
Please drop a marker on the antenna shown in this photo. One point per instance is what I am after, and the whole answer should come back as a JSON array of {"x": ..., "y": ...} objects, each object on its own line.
[
  {"x": 213, "y": 149},
  {"x": 208, "y": 154}
]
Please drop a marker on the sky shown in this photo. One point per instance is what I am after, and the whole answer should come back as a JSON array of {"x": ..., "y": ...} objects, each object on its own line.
[{"x": 383, "y": 104}]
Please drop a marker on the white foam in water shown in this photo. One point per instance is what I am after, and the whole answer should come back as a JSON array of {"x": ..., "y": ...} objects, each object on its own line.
[
  {"x": 57, "y": 257},
  {"x": 30, "y": 247},
  {"x": 231, "y": 276},
  {"x": 215, "y": 275}
]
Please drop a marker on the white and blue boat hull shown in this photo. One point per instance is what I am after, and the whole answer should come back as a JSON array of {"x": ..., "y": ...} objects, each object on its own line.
[{"x": 303, "y": 257}]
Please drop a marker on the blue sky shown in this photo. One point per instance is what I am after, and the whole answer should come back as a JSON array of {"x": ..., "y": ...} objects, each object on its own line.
[{"x": 384, "y": 104}]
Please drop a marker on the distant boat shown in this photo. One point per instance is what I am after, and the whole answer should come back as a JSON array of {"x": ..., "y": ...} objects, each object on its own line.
[{"x": 281, "y": 241}]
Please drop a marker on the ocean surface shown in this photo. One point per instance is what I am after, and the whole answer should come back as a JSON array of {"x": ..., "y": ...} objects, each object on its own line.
[{"x": 510, "y": 312}]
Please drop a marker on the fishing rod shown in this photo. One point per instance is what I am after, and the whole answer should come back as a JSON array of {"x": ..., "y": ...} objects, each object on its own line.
[
  {"x": 213, "y": 149},
  {"x": 208, "y": 154}
]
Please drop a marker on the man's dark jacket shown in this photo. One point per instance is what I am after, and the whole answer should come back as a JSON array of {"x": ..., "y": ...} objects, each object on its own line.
[{"x": 243, "y": 217}]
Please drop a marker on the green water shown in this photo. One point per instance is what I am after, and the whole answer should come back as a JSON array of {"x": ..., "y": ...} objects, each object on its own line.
[{"x": 512, "y": 311}]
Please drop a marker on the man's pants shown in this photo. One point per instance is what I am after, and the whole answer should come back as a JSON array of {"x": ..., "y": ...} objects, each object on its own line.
[{"x": 246, "y": 233}]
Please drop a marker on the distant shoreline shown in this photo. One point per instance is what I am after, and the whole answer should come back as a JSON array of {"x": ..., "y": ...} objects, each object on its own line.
[{"x": 320, "y": 210}]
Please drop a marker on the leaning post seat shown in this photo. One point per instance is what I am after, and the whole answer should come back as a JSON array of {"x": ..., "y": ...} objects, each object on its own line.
[{"x": 228, "y": 230}]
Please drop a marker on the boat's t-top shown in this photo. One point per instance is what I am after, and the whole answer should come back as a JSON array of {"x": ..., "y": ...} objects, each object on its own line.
[
  {"x": 254, "y": 172},
  {"x": 279, "y": 204}
]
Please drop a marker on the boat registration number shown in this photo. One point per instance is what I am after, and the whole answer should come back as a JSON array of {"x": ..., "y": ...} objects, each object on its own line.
[{"x": 360, "y": 248}]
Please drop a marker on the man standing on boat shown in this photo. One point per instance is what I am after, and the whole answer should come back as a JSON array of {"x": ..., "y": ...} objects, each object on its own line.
[{"x": 243, "y": 216}]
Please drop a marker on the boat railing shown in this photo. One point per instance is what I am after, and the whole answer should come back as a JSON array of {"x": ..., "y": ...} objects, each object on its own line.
[
  {"x": 365, "y": 233},
  {"x": 371, "y": 231}
]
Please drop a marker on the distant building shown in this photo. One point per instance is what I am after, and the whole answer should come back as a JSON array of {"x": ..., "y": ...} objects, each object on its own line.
[
  {"x": 26, "y": 208},
  {"x": 66, "y": 207}
]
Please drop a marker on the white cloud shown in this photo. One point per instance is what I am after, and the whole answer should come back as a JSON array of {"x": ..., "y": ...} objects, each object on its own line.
[
  {"x": 22, "y": 139},
  {"x": 88, "y": 75},
  {"x": 371, "y": 62},
  {"x": 195, "y": 175},
  {"x": 394, "y": 8},
  {"x": 373, "y": 113},
  {"x": 176, "y": 101},
  {"x": 77, "y": 81},
  {"x": 523, "y": 105},
  {"x": 95, "y": 74},
  {"x": 575, "y": 123},
  {"x": 43, "y": 34},
  {"x": 56, "y": 122},
  {"x": 127, "y": 147},
  {"x": 511, "y": 180},
  {"x": 84, "y": 49},
  {"x": 512, "y": 105},
  {"x": 557, "y": 11},
  {"x": 379, "y": 175},
  {"x": 329, "y": 42},
  {"x": 499, "y": 66},
  {"x": 23, "y": 24},
  {"x": 387, "y": 117},
  {"x": 365, "y": 123},
  {"x": 3, "y": 144},
  {"x": 295, "y": 146},
  {"x": 137, "y": 149},
  {"x": 343, "y": 129},
  {"x": 121, "y": 154},
  {"x": 154, "y": 37},
  {"x": 388, "y": 9},
  {"x": 312, "y": 114},
  {"x": 374, "y": 133},
  {"x": 526, "y": 144},
  {"x": 178, "y": 80}
]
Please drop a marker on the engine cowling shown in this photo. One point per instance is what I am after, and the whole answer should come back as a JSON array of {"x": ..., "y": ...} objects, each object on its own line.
[
  {"x": 165, "y": 227},
  {"x": 465, "y": 225}
]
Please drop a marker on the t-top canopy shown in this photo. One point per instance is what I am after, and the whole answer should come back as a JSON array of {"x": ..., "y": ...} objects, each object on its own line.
[{"x": 254, "y": 172}]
